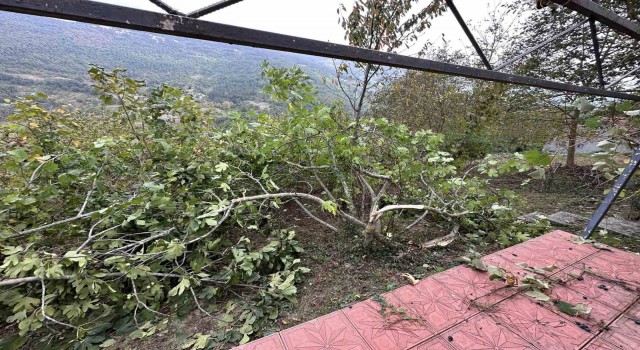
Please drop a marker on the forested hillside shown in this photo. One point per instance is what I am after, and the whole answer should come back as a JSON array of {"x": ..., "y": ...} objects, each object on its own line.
[{"x": 53, "y": 56}]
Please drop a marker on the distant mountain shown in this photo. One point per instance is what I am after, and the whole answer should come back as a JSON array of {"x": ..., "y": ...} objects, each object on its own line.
[{"x": 52, "y": 56}]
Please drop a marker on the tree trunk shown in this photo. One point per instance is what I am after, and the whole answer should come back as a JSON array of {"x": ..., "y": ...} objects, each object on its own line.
[{"x": 573, "y": 136}]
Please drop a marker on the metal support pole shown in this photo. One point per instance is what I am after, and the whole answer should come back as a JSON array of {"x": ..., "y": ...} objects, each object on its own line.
[
  {"x": 455, "y": 12},
  {"x": 618, "y": 186},
  {"x": 607, "y": 17},
  {"x": 168, "y": 9},
  {"x": 212, "y": 8},
  {"x": 624, "y": 77},
  {"x": 596, "y": 50},
  {"x": 541, "y": 45}
]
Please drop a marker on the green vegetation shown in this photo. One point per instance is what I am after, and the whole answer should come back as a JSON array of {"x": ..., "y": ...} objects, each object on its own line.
[{"x": 112, "y": 222}]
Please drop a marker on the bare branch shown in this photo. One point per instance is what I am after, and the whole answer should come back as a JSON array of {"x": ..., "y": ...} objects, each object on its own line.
[
  {"x": 375, "y": 175},
  {"x": 43, "y": 307},
  {"x": 325, "y": 224},
  {"x": 135, "y": 294}
]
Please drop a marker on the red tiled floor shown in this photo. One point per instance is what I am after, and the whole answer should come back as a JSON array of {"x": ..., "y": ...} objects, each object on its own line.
[
  {"x": 435, "y": 343},
  {"x": 600, "y": 315},
  {"x": 539, "y": 326},
  {"x": 482, "y": 332},
  {"x": 330, "y": 332},
  {"x": 606, "y": 292},
  {"x": 462, "y": 309},
  {"x": 624, "y": 268},
  {"x": 463, "y": 280},
  {"x": 436, "y": 304},
  {"x": 624, "y": 333},
  {"x": 634, "y": 311},
  {"x": 599, "y": 344},
  {"x": 394, "y": 331}
]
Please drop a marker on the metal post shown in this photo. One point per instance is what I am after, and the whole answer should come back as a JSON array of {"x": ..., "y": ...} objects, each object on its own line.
[
  {"x": 618, "y": 186},
  {"x": 596, "y": 50},
  {"x": 607, "y": 17},
  {"x": 455, "y": 12},
  {"x": 168, "y": 9},
  {"x": 624, "y": 77},
  {"x": 212, "y": 8}
]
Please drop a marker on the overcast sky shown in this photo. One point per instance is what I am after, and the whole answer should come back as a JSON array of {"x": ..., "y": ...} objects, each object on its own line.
[{"x": 314, "y": 19}]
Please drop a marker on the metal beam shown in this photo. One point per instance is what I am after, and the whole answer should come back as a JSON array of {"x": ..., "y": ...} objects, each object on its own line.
[
  {"x": 613, "y": 194},
  {"x": 212, "y": 8},
  {"x": 540, "y": 45},
  {"x": 628, "y": 74},
  {"x": 596, "y": 50},
  {"x": 130, "y": 18},
  {"x": 462, "y": 23},
  {"x": 607, "y": 17},
  {"x": 168, "y": 9}
]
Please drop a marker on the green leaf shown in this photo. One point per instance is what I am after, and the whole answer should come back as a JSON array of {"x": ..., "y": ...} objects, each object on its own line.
[
  {"x": 567, "y": 308},
  {"x": 108, "y": 343},
  {"x": 245, "y": 339},
  {"x": 74, "y": 256},
  {"x": 19, "y": 154},
  {"x": 330, "y": 207},
  {"x": 593, "y": 123},
  {"x": 538, "y": 295},
  {"x": 536, "y": 157},
  {"x": 220, "y": 167},
  {"x": 13, "y": 343}
]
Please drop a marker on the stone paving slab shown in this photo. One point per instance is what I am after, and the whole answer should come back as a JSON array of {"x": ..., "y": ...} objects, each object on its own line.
[{"x": 462, "y": 309}]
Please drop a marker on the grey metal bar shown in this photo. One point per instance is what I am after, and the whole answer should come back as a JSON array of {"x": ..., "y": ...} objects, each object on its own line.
[
  {"x": 212, "y": 8},
  {"x": 617, "y": 188},
  {"x": 168, "y": 9},
  {"x": 596, "y": 50},
  {"x": 602, "y": 15},
  {"x": 624, "y": 77},
  {"x": 130, "y": 18},
  {"x": 541, "y": 45},
  {"x": 460, "y": 20}
]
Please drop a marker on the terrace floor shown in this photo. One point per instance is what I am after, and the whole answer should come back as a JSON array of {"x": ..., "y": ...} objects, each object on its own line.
[{"x": 462, "y": 309}]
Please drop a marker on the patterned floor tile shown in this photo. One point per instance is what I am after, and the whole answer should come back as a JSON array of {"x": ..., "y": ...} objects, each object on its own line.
[
  {"x": 482, "y": 332},
  {"x": 435, "y": 343},
  {"x": 272, "y": 342},
  {"x": 539, "y": 326},
  {"x": 624, "y": 333},
  {"x": 437, "y": 305},
  {"x": 606, "y": 292},
  {"x": 543, "y": 253},
  {"x": 600, "y": 315},
  {"x": 600, "y": 344},
  {"x": 387, "y": 331},
  {"x": 618, "y": 256},
  {"x": 463, "y": 280},
  {"x": 634, "y": 311},
  {"x": 617, "y": 265},
  {"x": 330, "y": 332}
]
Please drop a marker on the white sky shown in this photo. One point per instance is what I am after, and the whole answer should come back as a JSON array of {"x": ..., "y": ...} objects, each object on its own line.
[{"x": 314, "y": 19}]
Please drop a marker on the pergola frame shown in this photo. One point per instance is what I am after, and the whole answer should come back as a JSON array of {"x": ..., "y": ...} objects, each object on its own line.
[{"x": 176, "y": 23}]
